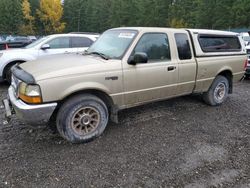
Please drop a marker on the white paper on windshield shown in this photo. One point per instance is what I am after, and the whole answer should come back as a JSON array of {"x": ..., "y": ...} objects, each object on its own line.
[{"x": 126, "y": 35}]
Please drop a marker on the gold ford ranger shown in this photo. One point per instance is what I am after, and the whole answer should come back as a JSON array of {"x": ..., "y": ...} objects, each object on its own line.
[{"x": 125, "y": 67}]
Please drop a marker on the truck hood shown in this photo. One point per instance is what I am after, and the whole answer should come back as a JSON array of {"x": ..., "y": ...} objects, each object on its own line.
[{"x": 61, "y": 65}]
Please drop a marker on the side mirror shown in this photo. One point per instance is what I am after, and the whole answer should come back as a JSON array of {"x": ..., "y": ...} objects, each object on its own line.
[
  {"x": 45, "y": 47},
  {"x": 138, "y": 57}
]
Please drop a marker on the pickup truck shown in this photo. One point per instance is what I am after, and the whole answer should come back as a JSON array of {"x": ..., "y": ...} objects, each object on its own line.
[{"x": 125, "y": 67}]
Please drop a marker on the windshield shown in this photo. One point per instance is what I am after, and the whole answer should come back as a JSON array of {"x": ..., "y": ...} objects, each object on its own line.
[
  {"x": 36, "y": 42},
  {"x": 113, "y": 43}
]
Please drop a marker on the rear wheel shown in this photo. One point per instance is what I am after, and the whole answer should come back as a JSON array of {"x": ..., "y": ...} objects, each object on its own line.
[
  {"x": 82, "y": 118},
  {"x": 218, "y": 92}
]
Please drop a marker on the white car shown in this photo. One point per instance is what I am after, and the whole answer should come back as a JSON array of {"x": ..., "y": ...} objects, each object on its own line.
[{"x": 50, "y": 45}]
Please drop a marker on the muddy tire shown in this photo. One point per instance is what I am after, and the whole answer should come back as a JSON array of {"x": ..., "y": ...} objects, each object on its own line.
[
  {"x": 218, "y": 92},
  {"x": 82, "y": 118}
]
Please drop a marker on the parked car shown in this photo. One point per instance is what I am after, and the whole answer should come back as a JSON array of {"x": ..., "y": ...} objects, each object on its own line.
[
  {"x": 32, "y": 38},
  {"x": 22, "y": 39},
  {"x": 125, "y": 67},
  {"x": 10, "y": 38},
  {"x": 17, "y": 43},
  {"x": 248, "y": 62},
  {"x": 1, "y": 39},
  {"x": 3, "y": 45},
  {"x": 14, "y": 42},
  {"x": 53, "y": 44}
]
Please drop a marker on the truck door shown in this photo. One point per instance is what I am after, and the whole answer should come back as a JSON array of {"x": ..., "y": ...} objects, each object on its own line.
[
  {"x": 155, "y": 79},
  {"x": 187, "y": 64}
]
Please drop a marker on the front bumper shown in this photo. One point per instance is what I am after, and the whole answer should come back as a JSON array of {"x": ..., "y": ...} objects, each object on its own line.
[{"x": 32, "y": 114}]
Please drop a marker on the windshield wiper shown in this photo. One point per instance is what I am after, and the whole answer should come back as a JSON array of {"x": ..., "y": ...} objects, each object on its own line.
[{"x": 99, "y": 54}]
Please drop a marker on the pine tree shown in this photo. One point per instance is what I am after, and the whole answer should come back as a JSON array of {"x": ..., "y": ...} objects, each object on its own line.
[
  {"x": 50, "y": 14},
  {"x": 28, "y": 27},
  {"x": 11, "y": 16},
  {"x": 74, "y": 15},
  {"x": 241, "y": 13}
]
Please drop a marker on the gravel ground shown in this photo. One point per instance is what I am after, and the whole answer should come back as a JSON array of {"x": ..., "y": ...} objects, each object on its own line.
[{"x": 176, "y": 143}]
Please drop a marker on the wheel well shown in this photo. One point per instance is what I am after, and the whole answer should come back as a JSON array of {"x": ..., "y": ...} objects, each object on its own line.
[
  {"x": 9, "y": 65},
  {"x": 100, "y": 94},
  {"x": 228, "y": 74}
]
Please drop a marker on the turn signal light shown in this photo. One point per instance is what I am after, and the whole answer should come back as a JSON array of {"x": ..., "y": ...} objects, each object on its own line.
[
  {"x": 30, "y": 93},
  {"x": 30, "y": 100}
]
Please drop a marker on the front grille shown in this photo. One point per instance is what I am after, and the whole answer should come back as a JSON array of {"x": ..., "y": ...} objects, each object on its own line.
[{"x": 248, "y": 51}]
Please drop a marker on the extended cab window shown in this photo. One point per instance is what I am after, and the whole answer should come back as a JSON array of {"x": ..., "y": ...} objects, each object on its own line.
[
  {"x": 211, "y": 43},
  {"x": 155, "y": 45},
  {"x": 78, "y": 42},
  {"x": 183, "y": 46},
  {"x": 62, "y": 42}
]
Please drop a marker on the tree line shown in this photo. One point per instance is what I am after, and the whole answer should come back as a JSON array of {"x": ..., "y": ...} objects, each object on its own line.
[{"x": 43, "y": 17}]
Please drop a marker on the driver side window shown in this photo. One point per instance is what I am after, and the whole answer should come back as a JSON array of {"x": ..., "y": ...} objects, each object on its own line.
[
  {"x": 62, "y": 42},
  {"x": 155, "y": 45}
]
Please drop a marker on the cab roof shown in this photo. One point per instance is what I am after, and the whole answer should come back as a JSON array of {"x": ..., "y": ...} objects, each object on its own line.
[{"x": 193, "y": 31}]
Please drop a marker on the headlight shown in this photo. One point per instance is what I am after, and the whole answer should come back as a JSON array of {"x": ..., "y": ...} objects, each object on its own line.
[{"x": 30, "y": 93}]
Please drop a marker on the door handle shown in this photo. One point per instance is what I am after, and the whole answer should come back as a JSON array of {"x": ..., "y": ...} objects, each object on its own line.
[{"x": 171, "y": 68}]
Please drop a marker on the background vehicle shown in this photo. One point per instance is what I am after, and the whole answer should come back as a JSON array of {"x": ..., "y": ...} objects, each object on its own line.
[
  {"x": 3, "y": 46},
  {"x": 248, "y": 62},
  {"x": 53, "y": 44},
  {"x": 246, "y": 37},
  {"x": 126, "y": 67},
  {"x": 1, "y": 39},
  {"x": 32, "y": 38},
  {"x": 22, "y": 39},
  {"x": 9, "y": 38},
  {"x": 14, "y": 44}
]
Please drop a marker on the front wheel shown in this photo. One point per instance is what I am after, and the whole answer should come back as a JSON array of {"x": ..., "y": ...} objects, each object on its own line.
[
  {"x": 218, "y": 92},
  {"x": 82, "y": 118}
]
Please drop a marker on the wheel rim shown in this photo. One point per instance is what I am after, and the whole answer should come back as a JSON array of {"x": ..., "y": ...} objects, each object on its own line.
[
  {"x": 85, "y": 121},
  {"x": 220, "y": 92}
]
